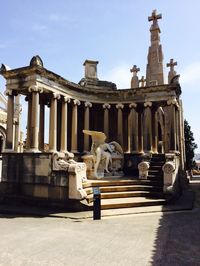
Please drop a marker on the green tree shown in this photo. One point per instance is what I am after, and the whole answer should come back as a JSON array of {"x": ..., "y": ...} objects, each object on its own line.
[{"x": 190, "y": 146}]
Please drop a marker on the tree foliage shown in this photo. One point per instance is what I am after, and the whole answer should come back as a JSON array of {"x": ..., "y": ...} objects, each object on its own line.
[{"x": 190, "y": 146}]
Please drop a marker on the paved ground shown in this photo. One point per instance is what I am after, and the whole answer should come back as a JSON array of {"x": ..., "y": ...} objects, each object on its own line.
[{"x": 169, "y": 238}]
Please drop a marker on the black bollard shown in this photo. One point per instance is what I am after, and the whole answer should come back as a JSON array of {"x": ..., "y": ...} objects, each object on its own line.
[{"x": 96, "y": 203}]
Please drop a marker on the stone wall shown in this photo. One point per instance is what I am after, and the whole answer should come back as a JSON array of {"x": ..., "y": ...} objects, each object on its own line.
[{"x": 31, "y": 174}]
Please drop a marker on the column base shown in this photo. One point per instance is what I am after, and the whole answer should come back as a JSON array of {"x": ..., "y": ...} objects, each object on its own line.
[
  {"x": 9, "y": 150},
  {"x": 53, "y": 151},
  {"x": 33, "y": 151},
  {"x": 74, "y": 151}
]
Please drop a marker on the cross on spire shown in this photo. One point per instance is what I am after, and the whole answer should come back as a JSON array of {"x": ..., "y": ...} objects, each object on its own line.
[
  {"x": 171, "y": 64},
  {"x": 142, "y": 81},
  {"x": 135, "y": 69},
  {"x": 154, "y": 17}
]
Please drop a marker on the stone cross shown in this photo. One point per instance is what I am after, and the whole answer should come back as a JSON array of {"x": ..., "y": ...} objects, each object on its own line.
[
  {"x": 142, "y": 81},
  {"x": 171, "y": 64},
  {"x": 154, "y": 17},
  {"x": 172, "y": 72},
  {"x": 134, "y": 80},
  {"x": 134, "y": 70}
]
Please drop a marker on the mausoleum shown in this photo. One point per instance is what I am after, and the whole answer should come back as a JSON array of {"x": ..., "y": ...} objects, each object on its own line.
[{"x": 136, "y": 135}]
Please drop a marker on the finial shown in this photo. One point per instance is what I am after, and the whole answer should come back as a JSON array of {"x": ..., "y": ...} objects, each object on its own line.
[
  {"x": 142, "y": 81},
  {"x": 4, "y": 68},
  {"x": 36, "y": 61}
]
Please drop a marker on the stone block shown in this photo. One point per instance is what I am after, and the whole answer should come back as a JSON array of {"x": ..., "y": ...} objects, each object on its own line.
[
  {"x": 42, "y": 166},
  {"x": 27, "y": 189},
  {"x": 41, "y": 191}
]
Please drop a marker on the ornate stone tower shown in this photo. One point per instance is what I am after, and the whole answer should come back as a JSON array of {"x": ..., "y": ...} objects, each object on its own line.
[{"x": 154, "y": 72}]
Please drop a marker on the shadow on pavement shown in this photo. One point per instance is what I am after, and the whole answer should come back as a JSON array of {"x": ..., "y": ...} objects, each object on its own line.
[{"x": 177, "y": 239}]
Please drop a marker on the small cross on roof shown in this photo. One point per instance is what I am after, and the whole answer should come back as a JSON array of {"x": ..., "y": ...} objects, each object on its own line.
[{"x": 135, "y": 69}]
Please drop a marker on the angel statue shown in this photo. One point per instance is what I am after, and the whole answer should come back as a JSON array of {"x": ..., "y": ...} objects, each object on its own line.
[{"x": 103, "y": 152}]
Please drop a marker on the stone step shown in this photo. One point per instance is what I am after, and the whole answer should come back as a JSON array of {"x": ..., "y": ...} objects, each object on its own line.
[
  {"x": 122, "y": 194},
  {"x": 158, "y": 164},
  {"x": 126, "y": 188},
  {"x": 99, "y": 183},
  {"x": 128, "y": 202},
  {"x": 155, "y": 167}
]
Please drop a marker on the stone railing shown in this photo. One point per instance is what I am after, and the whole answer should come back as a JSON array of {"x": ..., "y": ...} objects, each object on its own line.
[
  {"x": 171, "y": 170},
  {"x": 76, "y": 172},
  {"x": 143, "y": 168}
]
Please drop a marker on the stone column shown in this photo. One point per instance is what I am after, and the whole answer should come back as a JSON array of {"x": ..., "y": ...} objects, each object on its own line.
[
  {"x": 140, "y": 132},
  {"x": 74, "y": 136},
  {"x": 28, "y": 126},
  {"x": 87, "y": 125},
  {"x": 119, "y": 107},
  {"x": 155, "y": 131},
  {"x": 53, "y": 123},
  {"x": 133, "y": 129},
  {"x": 147, "y": 136},
  {"x": 10, "y": 120},
  {"x": 106, "y": 107},
  {"x": 41, "y": 125},
  {"x": 172, "y": 103},
  {"x": 34, "y": 145},
  {"x": 17, "y": 114},
  {"x": 63, "y": 146}
]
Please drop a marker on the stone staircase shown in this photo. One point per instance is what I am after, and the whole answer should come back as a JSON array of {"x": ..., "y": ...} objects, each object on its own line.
[{"x": 130, "y": 192}]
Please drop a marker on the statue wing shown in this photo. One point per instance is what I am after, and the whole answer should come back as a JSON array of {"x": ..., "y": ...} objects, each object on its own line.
[
  {"x": 97, "y": 136},
  {"x": 117, "y": 146}
]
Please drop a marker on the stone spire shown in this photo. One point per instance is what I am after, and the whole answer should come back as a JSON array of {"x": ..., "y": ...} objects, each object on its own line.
[
  {"x": 154, "y": 72},
  {"x": 134, "y": 80},
  {"x": 172, "y": 72}
]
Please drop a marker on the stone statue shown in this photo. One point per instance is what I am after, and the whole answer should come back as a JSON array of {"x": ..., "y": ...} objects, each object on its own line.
[{"x": 104, "y": 154}]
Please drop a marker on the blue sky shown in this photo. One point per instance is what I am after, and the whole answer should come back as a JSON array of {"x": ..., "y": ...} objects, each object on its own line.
[{"x": 114, "y": 32}]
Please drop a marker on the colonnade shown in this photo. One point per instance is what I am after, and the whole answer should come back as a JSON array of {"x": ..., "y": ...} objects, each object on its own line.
[{"x": 141, "y": 133}]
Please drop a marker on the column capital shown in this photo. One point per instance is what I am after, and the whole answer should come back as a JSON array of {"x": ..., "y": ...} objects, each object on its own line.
[
  {"x": 132, "y": 105},
  {"x": 172, "y": 101},
  {"x": 119, "y": 106},
  {"x": 35, "y": 88},
  {"x": 67, "y": 99},
  {"x": 56, "y": 95},
  {"x": 8, "y": 92},
  {"x": 147, "y": 104},
  {"x": 76, "y": 102},
  {"x": 88, "y": 104},
  {"x": 106, "y": 106}
]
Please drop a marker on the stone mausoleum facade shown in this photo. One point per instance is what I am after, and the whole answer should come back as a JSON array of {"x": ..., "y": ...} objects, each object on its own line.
[{"x": 145, "y": 119}]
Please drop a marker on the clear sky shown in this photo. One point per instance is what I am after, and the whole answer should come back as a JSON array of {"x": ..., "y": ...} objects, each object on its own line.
[{"x": 116, "y": 33}]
